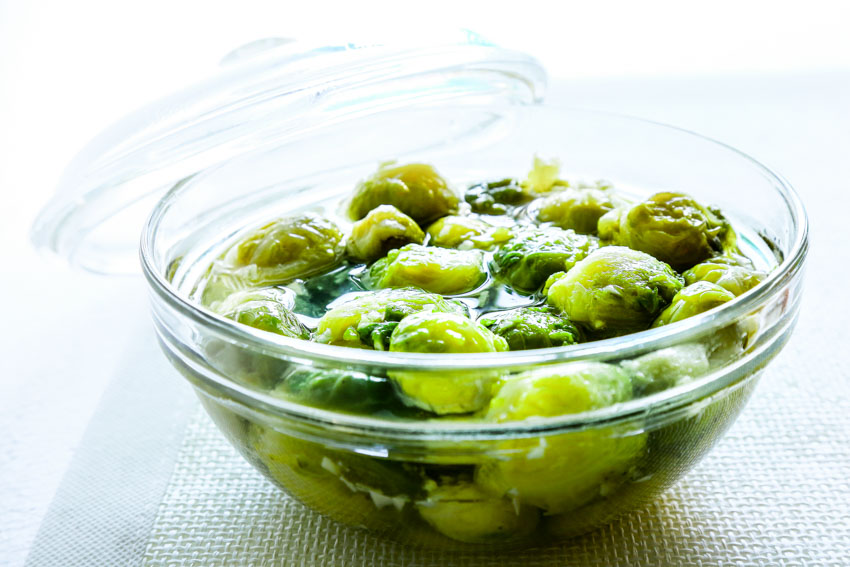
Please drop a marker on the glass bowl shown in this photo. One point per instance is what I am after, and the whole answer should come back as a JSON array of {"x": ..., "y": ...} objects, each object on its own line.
[{"x": 419, "y": 481}]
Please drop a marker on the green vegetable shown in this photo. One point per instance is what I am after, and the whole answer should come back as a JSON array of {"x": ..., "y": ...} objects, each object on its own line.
[
  {"x": 496, "y": 197},
  {"x": 543, "y": 176},
  {"x": 692, "y": 300},
  {"x": 577, "y": 208},
  {"x": 352, "y": 322},
  {"x": 532, "y": 327},
  {"x": 533, "y": 255},
  {"x": 274, "y": 254},
  {"x": 666, "y": 368},
  {"x": 415, "y": 189},
  {"x": 353, "y": 488},
  {"x": 384, "y": 228},
  {"x": 733, "y": 273},
  {"x": 438, "y": 270},
  {"x": 672, "y": 227},
  {"x": 263, "y": 309},
  {"x": 462, "y": 511},
  {"x": 465, "y": 232},
  {"x": 443, "y": 393},
  {"x": 340, "y": 390},
  {"x": 614, "y": 289},
  {"x": 560, "y": 473}
]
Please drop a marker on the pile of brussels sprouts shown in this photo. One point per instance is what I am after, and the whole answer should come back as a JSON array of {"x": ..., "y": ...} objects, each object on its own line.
[{"x": 509, "y": 265}]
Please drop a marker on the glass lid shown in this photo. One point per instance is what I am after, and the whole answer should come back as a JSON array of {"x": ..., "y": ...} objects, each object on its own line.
[{"x": 267, "y": 93}]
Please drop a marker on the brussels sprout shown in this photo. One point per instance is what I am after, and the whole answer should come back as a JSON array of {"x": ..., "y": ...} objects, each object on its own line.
[
  {"x": 462, "y": 511},
  {"x": 496, "y": 198},
  {"x": 692, "y": 300},
  {"x": 614, "y": 289},
  {"x": 543, "y": 176},
  {"x": 433, "y": 332},
  {"x": 532, "y": 327},
  {"x": 733, "y": 273},
  {"x": 438, "y": 270},
  {"x": 672, "y": 227},
  {"x": 341, "y": 390},
  {"x": 276, "y": 253},
  {"x": 367, "y": 320},
  {"x": 415, "y": 189},
  {"x": 535, "y": 254},
  {"x": 666, "y": 368},
  {"x": 264, "y": 309},
  {"x": 465, "y": 232},
  {"x": 562, "y": 472},
  {"x": 576, "y": 208},
  {"x": 353, "y": 488},
  {"x": 383, "y": 229}
]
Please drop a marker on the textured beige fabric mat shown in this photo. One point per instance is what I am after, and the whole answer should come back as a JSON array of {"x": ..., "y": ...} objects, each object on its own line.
[{"x": 776, "y": 491}]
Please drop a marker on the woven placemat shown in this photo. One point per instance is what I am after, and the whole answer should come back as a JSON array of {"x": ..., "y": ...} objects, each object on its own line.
[{"x": 775, "y": 491}]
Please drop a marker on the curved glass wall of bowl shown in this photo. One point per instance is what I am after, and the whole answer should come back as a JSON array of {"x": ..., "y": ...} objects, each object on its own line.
[
  {"x": 196, "y": 221},
  {"x": 531, "y": 481},
  {"x": 269, "y": 98}
]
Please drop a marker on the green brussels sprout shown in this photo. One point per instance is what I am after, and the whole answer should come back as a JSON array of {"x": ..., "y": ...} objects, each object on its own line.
[
  {"x": 733, "y": 273},
  {"x": 667, "y": 367},
  {"x": 415, "y": 189},
  {"x": 466, "y": 232},
  {"x": 438, "y": 270},
  {"x": 543, "y": 177},
  {"x": 368, "y": 319},
  {"x": 577, "y": 208},
  {"x": 274, "y": 254},
  {"x": 496, "y": 197},
  {"x": 462, "y": 511},
  {"x": 533, "y": 255},
  {"x": 532, "y": 327},
  {"x": 434, "y": 332},
  {"x": 344, "y": 390},
  {"x": 383, "y": 229},
  {"x": 692, "y": 300},
  {"x": 672, "y": 227},
  {"x": 614, "y": 289},
  {"x": 353, "y": 488},
  {"x": 264, "y": 309},
  {"x": 560, "y": 473}
]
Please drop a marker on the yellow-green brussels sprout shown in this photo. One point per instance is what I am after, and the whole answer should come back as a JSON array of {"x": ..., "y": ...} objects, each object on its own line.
[
  {"x": 666, "y": 368},
  {"x": 614, "y": 289},
  {"x": 562, "y": 472},
  {"x": 672, "y": 227},
  {"x": 438, "y": 270},
  {"x": 353, "y": 488},
  {"x": 543, "y": 177},
  {"x": 533, "y": 255},
  {"x": 383, "y": 229},
  {"x": 434, "y": 332},
  {"x": 496, "y": 197},
  {"x": 465, "y": 232},
  {"x": 415, "y": 189},
  {"x": 368, "y": 319},
  {"x": 532, "y": 327},
  {"x": 692, "y": 300},
  {"x": 733, "y": 273},
  {"x": 263, "y": 309},
  {"x": 276, "y": 253},
  {"x": 462, "y": 511},
  {"x": 576, "y": 208}
]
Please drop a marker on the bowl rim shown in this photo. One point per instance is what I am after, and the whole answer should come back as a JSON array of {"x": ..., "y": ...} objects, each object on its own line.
[{"x": 627, "y": 346}]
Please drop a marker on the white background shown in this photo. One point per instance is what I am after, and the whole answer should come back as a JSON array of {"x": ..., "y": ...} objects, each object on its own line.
[{"x": 68, "y": 69}]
